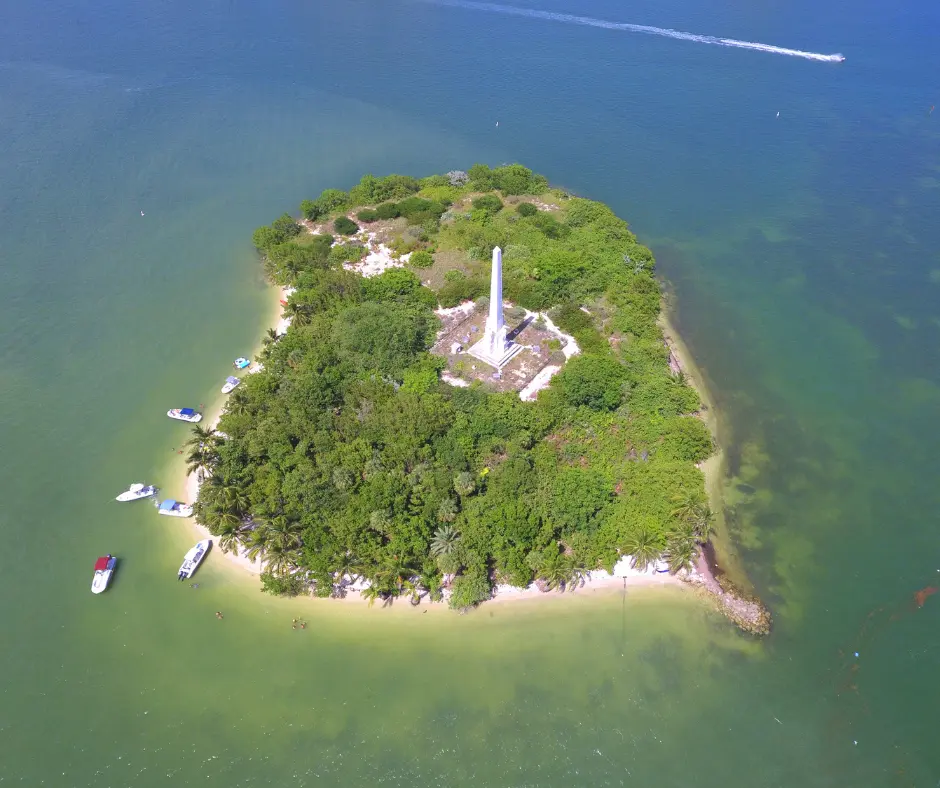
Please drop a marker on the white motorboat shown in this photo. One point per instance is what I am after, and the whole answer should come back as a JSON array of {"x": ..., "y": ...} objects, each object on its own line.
[
  {"x": 137, "y": 491},
  {"x": 230, "y": 384},
  {"x": 185, "y": 414},
  {"x": 104, "y": 568},
  {"x": 172, "y": 508},
  {"x": 193, "y": 558}
]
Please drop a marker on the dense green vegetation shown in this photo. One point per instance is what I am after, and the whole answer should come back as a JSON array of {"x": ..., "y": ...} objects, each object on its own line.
[{"x": 347, "y": 455}]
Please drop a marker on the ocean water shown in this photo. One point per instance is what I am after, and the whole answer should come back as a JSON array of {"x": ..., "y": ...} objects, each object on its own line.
[{"x": 802, "y": 256}]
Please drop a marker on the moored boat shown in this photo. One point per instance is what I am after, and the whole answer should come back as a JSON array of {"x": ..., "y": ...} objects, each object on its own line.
[
  {"x": 193, "y": 558},
  {"x": 230, "y": 384},
  {"x": 104, "y": 568},
  {"x": 241, "y": 362},
  {"x": 137, "y": 491},
  {"x": 172, "y": 508},
  {"x": 184, "y": 414}
]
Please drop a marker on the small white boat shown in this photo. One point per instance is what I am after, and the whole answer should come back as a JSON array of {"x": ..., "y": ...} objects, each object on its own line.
[
  {"x": 193, "y": 558},
  {"x": 184, "y": 414},
  {"x": 172, "y": 508},
  {"x": 137, "y": 491},
  {"x": 230, "y": 384},
  {"x": 104, "y": 568}
]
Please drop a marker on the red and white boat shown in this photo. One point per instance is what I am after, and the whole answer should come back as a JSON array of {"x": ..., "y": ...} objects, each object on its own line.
[{"x": 104, "y": 568}]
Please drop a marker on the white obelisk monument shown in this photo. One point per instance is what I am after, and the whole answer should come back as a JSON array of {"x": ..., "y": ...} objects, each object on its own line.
[{"x": 494, "y": 348}]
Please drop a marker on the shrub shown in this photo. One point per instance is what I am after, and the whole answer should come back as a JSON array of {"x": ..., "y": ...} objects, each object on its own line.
[
  {"x": 310, "y": 209},
  {"x": 387, "y": 210},
  {"x": 454, "y": 293},
  {"x": 481, "y": 177},
  {"x": 421, "y": 259},
  {"x": 516, "y": 179},
  {"x": 372, "y": 190},
  {"x": 526, "y": 209},
  {"x": 347, "y": 253},
  {"x": 282, "y": 585},
  {"x": 470, "y": 589},
  {"x": 595, "y": 382},
  {"x": 367, "y": 215},
  {"x": 488, "y": 204},
  {"x": 279, "y": 231},
  {"x": 345, "y": 226}
]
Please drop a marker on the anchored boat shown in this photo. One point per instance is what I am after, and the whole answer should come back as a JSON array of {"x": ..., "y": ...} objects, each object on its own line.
[
  {"x": 230, "y": 384},
  {"x": 185, "y": 414},
  {"x": 193, "y": 558},
  {"x": 172, "y": 508},
  {"x": 104, "y": 568},
  {"x": 137, "y": 491}
]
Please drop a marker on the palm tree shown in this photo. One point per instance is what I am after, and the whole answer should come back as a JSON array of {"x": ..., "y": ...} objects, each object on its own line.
[
  {"x": 270, "y": 337},
  {"x": 231, "y": 533},
  {"x": 643, "y": 547},
  {"x": 702, "y": 523},
  {"x": 280, "y": 560},
  {"x": 371, "y": 592},
  {"x": 203, "y": 450},
  {"x": 299, "y": 314},
  {"x": 691, "y": 509},
  {"x": 348, "y": 565},
  {"x": 257, "y": 545},
  {"x": 686, "y": 505},
  {"x": 447, "y": 512},
  {"x": 394, "y": 573},
  {"x": 555, "y": 571},
  {"x": 680, "y": 550},
  {"x": 282, "y": 534},
  {"x": 445, "y": 540},
  {"x": 221, "y": 493},
  {"x": 464, "y": 484},
  {"x": 237, "y": 403}
]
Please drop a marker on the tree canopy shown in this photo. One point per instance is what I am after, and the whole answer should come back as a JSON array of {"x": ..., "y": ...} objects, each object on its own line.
[{"x": 347, "y": 455}]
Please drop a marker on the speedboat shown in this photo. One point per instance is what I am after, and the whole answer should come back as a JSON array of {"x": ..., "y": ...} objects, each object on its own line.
[
  {"x": 137, "y": 491},
  {"x": 193, "y": 558},
  {"x": 184, "y": 414},
  {"x": 104, "y": 568},
  {"x": 230, "y": 384},
  {"x": 241, "y": 362},
  {"x": 172, "y": 508}
]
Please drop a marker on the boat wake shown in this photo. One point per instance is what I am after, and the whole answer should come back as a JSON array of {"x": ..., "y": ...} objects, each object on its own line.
[{"x": 665, "y": 32}]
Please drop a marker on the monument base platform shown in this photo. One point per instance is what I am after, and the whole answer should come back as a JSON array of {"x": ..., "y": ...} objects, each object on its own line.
[{"x": 482, "y": 352}]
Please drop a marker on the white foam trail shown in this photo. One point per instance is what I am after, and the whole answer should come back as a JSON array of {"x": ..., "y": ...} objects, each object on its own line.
[{"x": 653, "y": 31}]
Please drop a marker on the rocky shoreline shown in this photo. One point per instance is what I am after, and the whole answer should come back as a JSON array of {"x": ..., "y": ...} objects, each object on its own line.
[{"x": 745, "y": 610}]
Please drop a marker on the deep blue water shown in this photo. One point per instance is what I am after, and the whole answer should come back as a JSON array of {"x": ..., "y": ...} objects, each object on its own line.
[{"x": 802, "y": 251}]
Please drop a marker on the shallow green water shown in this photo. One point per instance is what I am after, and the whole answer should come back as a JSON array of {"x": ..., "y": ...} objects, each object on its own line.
[{"x": 803, "y": 256}]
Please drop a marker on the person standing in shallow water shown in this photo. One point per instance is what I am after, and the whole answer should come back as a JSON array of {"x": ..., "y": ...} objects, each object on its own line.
[{"x": 218, "y": 614}]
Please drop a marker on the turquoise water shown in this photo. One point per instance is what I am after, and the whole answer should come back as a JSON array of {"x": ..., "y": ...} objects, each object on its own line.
[{"x": 802, "y": 251}]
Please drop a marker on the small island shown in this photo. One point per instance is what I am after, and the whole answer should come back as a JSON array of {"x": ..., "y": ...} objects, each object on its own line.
[{"x": 405, "y": 436}]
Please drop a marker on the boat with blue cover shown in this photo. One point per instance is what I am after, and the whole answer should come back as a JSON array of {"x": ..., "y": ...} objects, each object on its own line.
[
  {"x": 185, "y": 414},
  {"x": 230, "y": 384},
  {"x": 172, "y": 508},
  {"x": 241, "y": 363}
]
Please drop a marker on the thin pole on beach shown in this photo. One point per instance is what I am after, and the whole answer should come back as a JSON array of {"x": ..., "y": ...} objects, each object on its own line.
[{"x": 623, "y": 617}]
